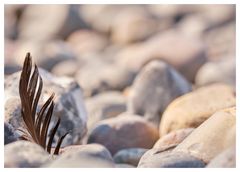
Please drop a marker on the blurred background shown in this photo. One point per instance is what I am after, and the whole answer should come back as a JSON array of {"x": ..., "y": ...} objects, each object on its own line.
[{"x": 104, "y": 46}]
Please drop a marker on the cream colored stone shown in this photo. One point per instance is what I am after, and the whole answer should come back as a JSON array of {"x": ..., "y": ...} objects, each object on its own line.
[
  {"x": 191, "y": 109},
  {"x": 212, "y": 137}
]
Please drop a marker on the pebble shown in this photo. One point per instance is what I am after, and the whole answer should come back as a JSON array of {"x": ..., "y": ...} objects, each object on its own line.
[
  {"x": 191, "y": 109},
  {"x": 63, "y": 20},
  {"x": 223, "y": 71},
  {"x": 107, "y": 77},
  {"x": 66, "y": 68},
  {"x": 132, "y": 25},
  {"x": 171, "y": 160},
  {"x": 154, "y": 88},
  {"x": 173, "y": 138},
  {"x": 226, "y": 159},
  {"x": 129, "y": 156},
  {"x": 85, "y": 41},
  {"x": 104, "y": 105},
  {"x": 188, "y": 55},
  {"x": 220, "y": 128},
  {"x": 124, "y": 131},
  {"x": 83, "y": 156},
  {"x": 24, "y": 154},
  {"x": 45, "y": 54},
  {"x": 10, "y": 135}
]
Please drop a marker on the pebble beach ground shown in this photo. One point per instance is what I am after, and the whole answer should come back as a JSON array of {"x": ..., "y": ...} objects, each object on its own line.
[{"x": 136, "y": 86}]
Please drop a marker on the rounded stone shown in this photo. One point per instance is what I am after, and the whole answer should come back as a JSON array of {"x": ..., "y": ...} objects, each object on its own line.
[
  {"x": 124, "y": 131},
  {"x": 154, "y": 88},
  {"x": 191, "y": 109},
  {"x": 104, "y": 105},
  {"x": 226, "y": 159},
  {"x": 24, "y": 154},
  {"x": 129, "y": 156},
  {"x": 211, "y": 137},
  {"x": 173, "y": 138},
  {"x": 83, "y": 156}
]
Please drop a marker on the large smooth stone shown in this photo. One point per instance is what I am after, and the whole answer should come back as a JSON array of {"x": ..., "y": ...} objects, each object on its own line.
[
  {"x": 124, "y": 131},
  {"x": 226, "y": 159},
  {"x": 154, "y": 88},
  {"x": 192, "y": 109},
  {"x": 211, "y": 137}
]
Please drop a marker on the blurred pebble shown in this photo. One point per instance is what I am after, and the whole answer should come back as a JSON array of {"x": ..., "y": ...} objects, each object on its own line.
[
  {"x": 66, "y": 68},
  {"x": 97, "y": 77},
  {"x": 104, "y": 105},
  {"x": 223, "y": 71},
  {"x": 132, "y": 25},
  {"x": 35, "y": 26},
  {"x": 186, "y": 54},
  {"x": 86, "y": 41}
]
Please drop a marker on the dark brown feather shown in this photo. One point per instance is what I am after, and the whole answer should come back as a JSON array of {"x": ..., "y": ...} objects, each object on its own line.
[
  {"x": 36, "y": 123},
  {"x": 52, "y": 134},
  {"x": 56, "y": 151}
]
